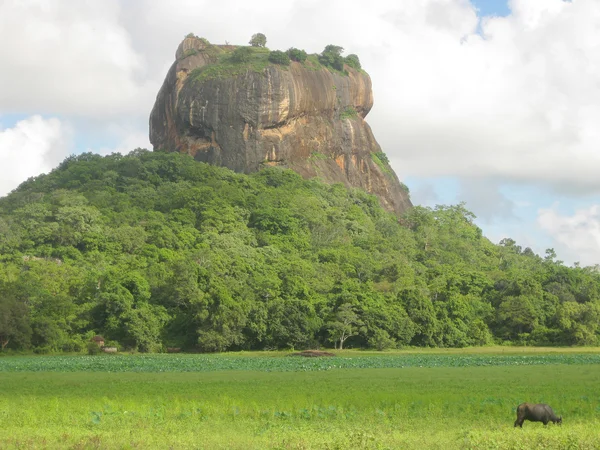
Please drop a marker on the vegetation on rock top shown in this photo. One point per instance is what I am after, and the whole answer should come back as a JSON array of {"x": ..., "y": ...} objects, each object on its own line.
[{"x": 229, "y": 62}]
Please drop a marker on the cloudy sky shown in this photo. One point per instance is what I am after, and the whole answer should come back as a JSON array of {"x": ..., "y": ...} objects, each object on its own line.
[{"x": 492, "y": 102}]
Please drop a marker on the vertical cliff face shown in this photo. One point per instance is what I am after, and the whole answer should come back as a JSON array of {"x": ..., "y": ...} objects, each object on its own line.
[{"x": 250, "y": 115}]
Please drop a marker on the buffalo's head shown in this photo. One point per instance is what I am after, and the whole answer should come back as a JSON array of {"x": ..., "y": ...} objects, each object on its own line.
[{"x": 559, "y": 421}]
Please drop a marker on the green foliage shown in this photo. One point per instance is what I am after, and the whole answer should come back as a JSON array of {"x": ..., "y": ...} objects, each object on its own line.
[
  {"x": 14, "y": 321},
  {"x": 382, "y": 157},
  {"x": 312, "y": 62},
  {"x": 154, "y": 249},
  {"x": 232, "y": 63},
  {"x": 332, "y": 57},
  {"x": 353, "y": 61},
  {"x": 280, "y": 362},
  {"x": 382, "y": 161},
  {"x": 258, "y": 40},
  {"x": 93, "y": 349},
  {"x": 279, "y": 57},
  {"x": 348, "y": 113},
  {"x": 318, "y": 156},
  {"x": 297, "y": 54},
  {"x": 381, "y": 340},
  {"x": 334, "y": 50},
  {"x": 241, "y": 55},
  {"x": 190, "y": 52},
  {"x": 344, "y": 324}
]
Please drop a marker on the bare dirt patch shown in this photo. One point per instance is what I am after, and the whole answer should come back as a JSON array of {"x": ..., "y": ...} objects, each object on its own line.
[{"x": 312, "y": 353}]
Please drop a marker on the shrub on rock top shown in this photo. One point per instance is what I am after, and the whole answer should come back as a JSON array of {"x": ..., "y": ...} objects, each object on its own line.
[
  {"x": 279, "y": 57},
  {"x": 296, "y": 54}
]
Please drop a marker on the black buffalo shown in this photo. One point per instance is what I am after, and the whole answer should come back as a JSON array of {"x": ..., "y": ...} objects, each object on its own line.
[{"x": 536, "y": 413}]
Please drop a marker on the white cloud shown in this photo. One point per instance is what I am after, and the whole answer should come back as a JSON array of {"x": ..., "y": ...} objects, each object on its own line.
[
  {"x": 425, "y": 194},
  {"x": 577, "y": 236},
  {"x": 521, "y": 103},
  {"x": 33, "y": 146},
  {"x": 485, "y": 197},
  {"x": 127, "y": 139},
  {"x": 62, "y": 57}
]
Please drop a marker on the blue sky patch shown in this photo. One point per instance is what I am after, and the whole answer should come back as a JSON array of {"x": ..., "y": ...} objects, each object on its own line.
[{"x": 491, "y": 7}]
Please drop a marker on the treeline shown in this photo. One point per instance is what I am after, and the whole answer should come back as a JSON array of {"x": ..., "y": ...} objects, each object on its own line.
[{"x": 155, "y": 250}]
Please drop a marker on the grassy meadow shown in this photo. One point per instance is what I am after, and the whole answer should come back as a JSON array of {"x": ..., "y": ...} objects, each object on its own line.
[{"x": 426, "y": 399}]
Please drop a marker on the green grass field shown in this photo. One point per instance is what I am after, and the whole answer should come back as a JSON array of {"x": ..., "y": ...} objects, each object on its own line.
[{"x": 253, "y": 401}]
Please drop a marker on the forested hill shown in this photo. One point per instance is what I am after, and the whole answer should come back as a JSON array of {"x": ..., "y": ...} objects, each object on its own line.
[{"x": 155, "y": 250}]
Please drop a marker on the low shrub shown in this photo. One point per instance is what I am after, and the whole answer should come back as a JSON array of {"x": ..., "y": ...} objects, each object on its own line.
[
  {"x": 348, "y": 113},
  {"x": 353, "y": 61},
  {"x": 93, "y": 348},
  {"x": 296, "y": 54},
  {"x": 279, "y": 57},
  {"x": 241, "y": 55}
]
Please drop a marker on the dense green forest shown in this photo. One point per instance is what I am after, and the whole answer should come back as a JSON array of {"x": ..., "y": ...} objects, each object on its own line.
[{"x": 155, "y": 250}]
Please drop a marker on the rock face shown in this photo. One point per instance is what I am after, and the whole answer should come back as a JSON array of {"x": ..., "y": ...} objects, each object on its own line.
[{"x": 303, "y": 117}]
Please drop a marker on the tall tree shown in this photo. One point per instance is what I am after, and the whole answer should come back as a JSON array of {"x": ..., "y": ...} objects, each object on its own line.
[
  {"x": 14, "y": 322},
  {"x": 258, "y": 40},
  {"x": 344, "y": 324}
]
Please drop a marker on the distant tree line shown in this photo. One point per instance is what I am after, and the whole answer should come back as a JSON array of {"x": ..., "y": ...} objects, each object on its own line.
[{"x": 154, "y": 250}]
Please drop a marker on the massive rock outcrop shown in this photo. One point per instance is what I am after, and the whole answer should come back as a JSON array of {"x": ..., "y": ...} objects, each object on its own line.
[{"x": 246, "y": 116}]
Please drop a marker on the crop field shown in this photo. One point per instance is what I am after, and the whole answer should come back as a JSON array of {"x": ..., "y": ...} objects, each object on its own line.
[{"x": 371, "y": 401}]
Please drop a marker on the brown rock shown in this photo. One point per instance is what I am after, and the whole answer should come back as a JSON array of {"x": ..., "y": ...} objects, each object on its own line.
[{"x": 305, "y": 118}]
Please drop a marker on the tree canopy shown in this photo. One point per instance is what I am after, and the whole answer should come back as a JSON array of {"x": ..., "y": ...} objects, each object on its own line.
[
  {"x": 155, "y": 250},
  {"x": 258, "y": 40},
  {"x": 332, "y": 57},
  {"x": 296, "y": 54}
]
